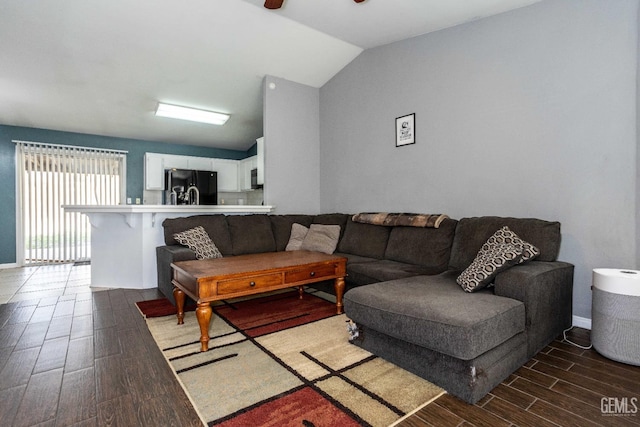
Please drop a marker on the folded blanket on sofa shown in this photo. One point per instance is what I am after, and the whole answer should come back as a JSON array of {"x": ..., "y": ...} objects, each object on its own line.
[{"x": 400, "y": 219}]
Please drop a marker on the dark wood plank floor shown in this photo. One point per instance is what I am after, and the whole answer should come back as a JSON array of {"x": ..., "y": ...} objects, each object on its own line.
[
  {"x": 89, "y": 360},
  {"x": 563, "y": 385},
  {"x": 86, "y": 360}
]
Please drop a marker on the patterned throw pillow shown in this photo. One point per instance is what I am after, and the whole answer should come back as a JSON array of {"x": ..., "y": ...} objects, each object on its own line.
[
  {"x": 198, "y": 241},
  {"x": 505, "y": 235},
  {"x": 490, "y": 260}
]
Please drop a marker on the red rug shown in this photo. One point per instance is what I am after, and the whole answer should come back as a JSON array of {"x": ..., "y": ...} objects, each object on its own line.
[
  {"x": 260, "y": 316},
  {"x": 305, "y": 407},
  {"x": 257, "y": 316},
  {"x": 160, "y": 307}
]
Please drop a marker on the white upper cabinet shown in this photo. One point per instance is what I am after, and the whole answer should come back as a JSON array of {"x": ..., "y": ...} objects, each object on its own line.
[
  {"x": 200, "y": 163},
  {"x": 227, "y": 174},
  {"x": 244, "y": 172},
  {"x": 153, "y": 171},
  {"x": 172, "y": 161}
]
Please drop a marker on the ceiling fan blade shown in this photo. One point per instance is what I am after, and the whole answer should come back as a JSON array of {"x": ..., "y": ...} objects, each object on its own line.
[
  {"x": 358, "y": 1},
  {"x": 274, "y": 4}
]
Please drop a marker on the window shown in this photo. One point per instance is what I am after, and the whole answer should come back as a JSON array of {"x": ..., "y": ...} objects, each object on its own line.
[{"x": 50, "y": 176}]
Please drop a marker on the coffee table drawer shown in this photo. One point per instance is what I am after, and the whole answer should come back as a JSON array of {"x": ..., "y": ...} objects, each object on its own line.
[
  {"x": 309, "y": 273},
  {"x": 249, "y": 283}
]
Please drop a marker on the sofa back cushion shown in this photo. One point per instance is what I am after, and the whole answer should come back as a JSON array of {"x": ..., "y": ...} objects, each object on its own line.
[
  {"x": 251, "y": 234},
  {"x": 472, "y": 233},
  {"x": 333, "y": 219},
  {"x": 215, "y": 226},
  {"x": 429, "y": 247},
  {"x": 364, "y": 239},
  {"x": 281, "y": 226}
]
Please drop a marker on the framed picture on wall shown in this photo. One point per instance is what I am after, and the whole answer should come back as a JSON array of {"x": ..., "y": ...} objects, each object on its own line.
[{"x": 406, "y": 130}]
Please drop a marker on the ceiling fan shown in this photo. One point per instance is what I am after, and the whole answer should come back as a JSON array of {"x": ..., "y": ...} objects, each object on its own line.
[{"x": 277, "y": 4}]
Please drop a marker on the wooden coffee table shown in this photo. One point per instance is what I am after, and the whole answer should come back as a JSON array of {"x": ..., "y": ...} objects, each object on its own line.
[{"x": 225, "y": 278}]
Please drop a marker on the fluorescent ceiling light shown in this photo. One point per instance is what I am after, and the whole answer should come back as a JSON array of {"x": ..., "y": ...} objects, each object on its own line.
[{"x": 193, "y": 114}]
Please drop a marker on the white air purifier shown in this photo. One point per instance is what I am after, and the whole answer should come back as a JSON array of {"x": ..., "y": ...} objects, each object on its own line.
[{"x": 615, "y": 314}]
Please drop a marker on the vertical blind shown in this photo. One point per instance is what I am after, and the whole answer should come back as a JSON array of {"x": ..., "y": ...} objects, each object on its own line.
[{"x": 50, "y": 176}]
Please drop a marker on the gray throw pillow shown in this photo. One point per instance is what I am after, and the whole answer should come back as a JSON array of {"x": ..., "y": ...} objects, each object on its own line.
[
  {"x": 321, "y": 238},
  {"x": 298, "y": 233},
  {"x": 198, "y": 241}
]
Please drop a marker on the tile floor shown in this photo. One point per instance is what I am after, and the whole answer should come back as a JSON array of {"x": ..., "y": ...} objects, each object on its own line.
[{"x": 46, "y": 281}]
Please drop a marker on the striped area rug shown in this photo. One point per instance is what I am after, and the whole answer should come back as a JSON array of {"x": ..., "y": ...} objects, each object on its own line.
[{"x": 277, "y": 360}]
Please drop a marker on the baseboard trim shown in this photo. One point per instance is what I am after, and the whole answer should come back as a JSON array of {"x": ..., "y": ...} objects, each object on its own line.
[
  {"x": 12, "y": 265},
  {"x": 582, "y": 322}
]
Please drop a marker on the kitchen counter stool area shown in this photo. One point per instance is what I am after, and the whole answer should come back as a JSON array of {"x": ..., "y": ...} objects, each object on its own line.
[{"x": 127, "y": 235}]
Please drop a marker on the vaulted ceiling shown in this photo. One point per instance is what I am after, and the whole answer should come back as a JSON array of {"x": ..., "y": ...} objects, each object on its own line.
[{"x": 101, "y": 67}]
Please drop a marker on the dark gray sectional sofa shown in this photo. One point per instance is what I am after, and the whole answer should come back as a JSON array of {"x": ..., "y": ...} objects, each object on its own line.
[{"x": 403, "y": 296}]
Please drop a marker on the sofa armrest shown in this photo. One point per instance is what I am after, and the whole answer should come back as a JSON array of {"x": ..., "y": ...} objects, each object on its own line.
[
  {"x": 165, "y": 255},
  {"x": 546, "y": 289}
]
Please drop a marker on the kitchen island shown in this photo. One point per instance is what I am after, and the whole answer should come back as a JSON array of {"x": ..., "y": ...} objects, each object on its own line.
[{"x": 124, "y": 239}]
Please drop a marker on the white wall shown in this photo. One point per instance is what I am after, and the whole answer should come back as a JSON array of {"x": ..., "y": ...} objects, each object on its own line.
[
  {"x": 291, "y": 135},
  {"x": 531, "y": 113}
]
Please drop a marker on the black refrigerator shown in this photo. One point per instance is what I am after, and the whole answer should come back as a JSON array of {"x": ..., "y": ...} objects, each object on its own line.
[
  {"x": 207, "y": 183},
  {"x": 179, "y": 181}
]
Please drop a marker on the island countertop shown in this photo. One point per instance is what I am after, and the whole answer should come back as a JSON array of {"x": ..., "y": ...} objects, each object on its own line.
[
  {"x": 194, "y": 209},
  {"x": 124, "y": 238}
]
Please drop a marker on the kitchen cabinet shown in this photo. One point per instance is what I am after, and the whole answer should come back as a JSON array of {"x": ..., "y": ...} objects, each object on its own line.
[
  {"x": 187, "y": 162},
  {"x": 227, "y": 174},
  {"x": 244, "y": 172},
  {"x": 233, "y": 175},
  {"x": 200, "y": 163},
  {"x": 153, "y": 171},
  {"x": 172, "y": 161}
]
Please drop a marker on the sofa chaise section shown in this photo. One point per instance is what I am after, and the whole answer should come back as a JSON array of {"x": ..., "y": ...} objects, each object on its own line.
[{"x": 469, "y": 342}]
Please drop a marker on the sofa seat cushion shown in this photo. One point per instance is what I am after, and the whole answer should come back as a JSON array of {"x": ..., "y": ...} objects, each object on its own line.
[
  {"x": 435, "y": 313},
  {"x": 383, "y": 270},
  {"x": 352, "y": 259}
]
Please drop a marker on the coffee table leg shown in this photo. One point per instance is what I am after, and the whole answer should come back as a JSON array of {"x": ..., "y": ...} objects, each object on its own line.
[
  {"x": 178, "y": 295},
  {"x": 203, "y": 314},
  {"x": 339, "y": 287}
]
